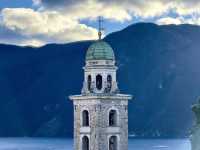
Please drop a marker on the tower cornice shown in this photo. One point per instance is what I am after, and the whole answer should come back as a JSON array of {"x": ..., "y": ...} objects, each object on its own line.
[{"x": 101, "y": 97}]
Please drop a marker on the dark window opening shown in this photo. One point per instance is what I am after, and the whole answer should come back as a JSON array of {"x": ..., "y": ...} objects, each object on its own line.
[
  {"x": 125, "y": 108},
  {"x": 89, "y": 82},
  {"x": 109, "y": 82},
  {"x": 85, "y": 143},
  {"x": 75, "y": 107},
  {"x": 99, "y": 82},
  {"x": 85, "y": 118},
  {"x": 113, "y": 118},
  {"x": 113, "y": 143}
]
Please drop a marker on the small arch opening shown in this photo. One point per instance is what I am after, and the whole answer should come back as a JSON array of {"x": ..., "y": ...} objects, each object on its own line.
[
  {"x": 89, "y": 80},
  {"x": 109, "y": 82},
  {"x": 99, "y": 82},
  {"x": 85, "y": 118},
  {"x": 113, "y": 118},
  {"x": 85, "y": 143},
  {"x": 113, "y": 143}
]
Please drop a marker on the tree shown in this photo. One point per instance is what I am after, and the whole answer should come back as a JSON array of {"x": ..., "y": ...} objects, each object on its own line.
[{"x": 196, "y": 110}]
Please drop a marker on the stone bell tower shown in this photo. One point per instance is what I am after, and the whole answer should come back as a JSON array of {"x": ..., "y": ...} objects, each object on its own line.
[{"x": 100, "y": 112}]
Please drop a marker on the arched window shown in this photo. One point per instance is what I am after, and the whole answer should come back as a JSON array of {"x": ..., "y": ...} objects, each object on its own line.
[
  {"x": 113, "y": 143},
  {"x": 113, "y": 118},
  {"x": 99, "y": 82},
  {"x": 89, "y": 80},
  {"x": 85, "y": 143},
  {"x": 85, "y": 118},
  {"x": 109, "y": 82}
]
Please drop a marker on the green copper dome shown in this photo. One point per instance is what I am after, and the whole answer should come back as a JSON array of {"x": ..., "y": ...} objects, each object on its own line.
[{"x": 100, "y": 50}]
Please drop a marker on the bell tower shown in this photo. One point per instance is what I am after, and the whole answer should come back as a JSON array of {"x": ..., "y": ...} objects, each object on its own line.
[{"x": 100, "y": 111}]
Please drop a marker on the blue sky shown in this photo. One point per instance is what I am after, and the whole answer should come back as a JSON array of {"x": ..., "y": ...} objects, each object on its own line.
[
  {"x": 39, "y": 22},
  {"x": 15, "y": 3}
]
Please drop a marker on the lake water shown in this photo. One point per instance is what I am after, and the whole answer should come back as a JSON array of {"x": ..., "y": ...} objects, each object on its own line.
[{"x": 66, "y": 144}]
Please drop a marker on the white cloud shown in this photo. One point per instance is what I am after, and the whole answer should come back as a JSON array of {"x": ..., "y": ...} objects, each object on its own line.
[
  {"x": 31, "y": 42},
  {"x": 187, "y": 7},
  {"x": 111, "y": 9},
  {"x": 142, "y": 8},
  {"x": 192, "y": 20},
  {"x": 58, "y": 21},
  {"x": 178, "y": 20},
  {"x": 91, "y": 10},
  {"x": 168, "y": 20},
  {"x": 46, "y": 26}
]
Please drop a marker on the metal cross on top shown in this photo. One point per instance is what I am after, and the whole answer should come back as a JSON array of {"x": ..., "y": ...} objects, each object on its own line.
[{"x": 100, "y": 27}]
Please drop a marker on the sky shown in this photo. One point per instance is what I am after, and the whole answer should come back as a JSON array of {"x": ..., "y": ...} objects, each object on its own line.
[{"x": 39, "y": 22}]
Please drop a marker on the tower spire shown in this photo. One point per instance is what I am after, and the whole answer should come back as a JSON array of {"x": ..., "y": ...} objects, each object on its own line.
[{"x": 100, "y": 27}]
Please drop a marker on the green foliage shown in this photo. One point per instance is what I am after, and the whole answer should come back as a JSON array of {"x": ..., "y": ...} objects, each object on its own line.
[{"x": 196, "y": 110}]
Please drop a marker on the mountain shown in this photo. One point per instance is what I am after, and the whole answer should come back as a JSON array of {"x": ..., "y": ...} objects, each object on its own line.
[{"x": 158, "y": 65}]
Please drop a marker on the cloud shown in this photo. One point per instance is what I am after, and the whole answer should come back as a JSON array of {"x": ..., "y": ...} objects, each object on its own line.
[
  {"x": 42, "y": 27},
  {"x": 60, "y": 21},
  {"x": 187, "y": 7},
  {"x": 8, "y": 36},
  {"x": 111, "y": 9},
  {"x": 168, "y": 20},
  {"x": 162, "y": 11},
  {"x": 142, "y": 8},
  {"x": 178, "y": 20},
  {"x": 89, "y": 9}
]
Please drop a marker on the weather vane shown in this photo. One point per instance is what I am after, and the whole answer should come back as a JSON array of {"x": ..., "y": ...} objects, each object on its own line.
[{"x": 100, "y": 27}]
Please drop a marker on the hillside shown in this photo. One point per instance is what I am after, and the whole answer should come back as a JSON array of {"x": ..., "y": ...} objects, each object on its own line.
[{"x": 159, "y": 65}]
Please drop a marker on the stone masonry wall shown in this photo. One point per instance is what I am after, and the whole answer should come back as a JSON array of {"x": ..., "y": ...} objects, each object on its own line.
[{"x": 99, "y": 125}]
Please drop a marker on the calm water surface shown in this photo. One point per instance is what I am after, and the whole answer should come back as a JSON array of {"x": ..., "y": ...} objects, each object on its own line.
[{"x": 66, "y": 144}]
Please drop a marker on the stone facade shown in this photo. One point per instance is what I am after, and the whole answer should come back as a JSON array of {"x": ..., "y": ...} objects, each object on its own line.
[
  {"x": 100, "y": 112},
  {"x": 99, "y": 130}
]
